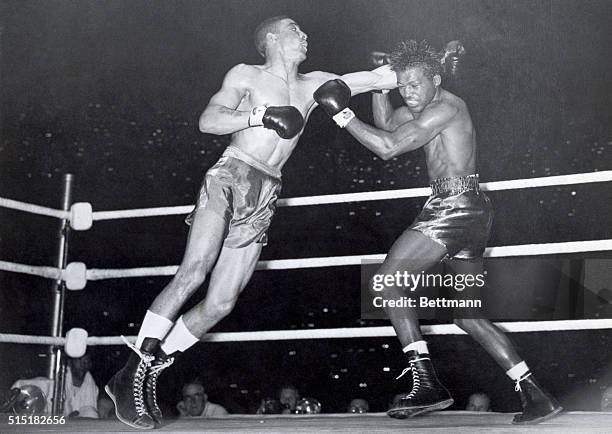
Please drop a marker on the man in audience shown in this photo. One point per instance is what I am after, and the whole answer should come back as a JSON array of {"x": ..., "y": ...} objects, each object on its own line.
[{"x": 195, "y": 402}]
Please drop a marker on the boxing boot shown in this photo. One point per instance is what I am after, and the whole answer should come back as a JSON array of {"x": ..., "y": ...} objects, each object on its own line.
[
  {"x": 427, "y": 393},
  {"x": 161, "y": 362},
  {"x": 126, "y": 389},
  {"x": 538, "y": 405}
]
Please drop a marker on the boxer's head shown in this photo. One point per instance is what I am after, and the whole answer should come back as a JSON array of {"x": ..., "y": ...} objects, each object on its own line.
[
  {"x": 417, "y": 66},
  {"x": 284, "y": 34}
]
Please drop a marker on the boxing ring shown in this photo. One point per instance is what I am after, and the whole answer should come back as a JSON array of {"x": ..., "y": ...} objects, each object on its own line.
[{"x": 75, "y": 276}]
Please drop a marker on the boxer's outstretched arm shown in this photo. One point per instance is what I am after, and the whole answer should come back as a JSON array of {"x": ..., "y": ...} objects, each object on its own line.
[
  {"x": 407, "y": 137},
  {"x": 362, "y": 81},
  {"x": 220, "y": 115},
  {"x": 366, "y": 81}
]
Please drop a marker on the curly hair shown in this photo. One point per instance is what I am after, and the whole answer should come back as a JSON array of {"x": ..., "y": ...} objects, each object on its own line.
[{"x": 408, "y": 54}]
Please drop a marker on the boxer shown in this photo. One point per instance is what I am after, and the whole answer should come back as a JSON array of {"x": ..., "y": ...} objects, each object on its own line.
[
  {"x": 264, "y": 108},
  {"x": 454, "y": 223}
]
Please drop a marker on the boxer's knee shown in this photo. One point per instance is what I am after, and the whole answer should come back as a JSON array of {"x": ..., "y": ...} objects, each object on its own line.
[
  {"x": 191, "y": 275},
  {"x": 220, "y": 309},
  {"x": 470, "y": 325}
]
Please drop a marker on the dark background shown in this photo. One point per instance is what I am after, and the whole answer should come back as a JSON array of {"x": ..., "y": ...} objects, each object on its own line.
[{"x": 111, "y": 91}]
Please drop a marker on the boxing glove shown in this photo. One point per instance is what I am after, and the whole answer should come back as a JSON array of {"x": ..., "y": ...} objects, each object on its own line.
[
  {"x": 334, "y": 96},
  {"x": 287, "y": 121},
  {"x": 378, "y": 59}
]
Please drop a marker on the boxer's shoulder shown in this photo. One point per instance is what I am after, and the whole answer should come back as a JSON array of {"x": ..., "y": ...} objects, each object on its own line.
[
  {"x": 315, "y": 79},
  {"x": 243, "y": 71},
  {"x": 242, "y": 76}
]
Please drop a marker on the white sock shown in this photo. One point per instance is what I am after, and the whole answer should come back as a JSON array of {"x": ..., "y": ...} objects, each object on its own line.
[
  {"x": 518, "y": 371},
  {"x": 419, "y": 346},
  {"x": 179, "y": 338},
  {"x": 153, "y": 326}
]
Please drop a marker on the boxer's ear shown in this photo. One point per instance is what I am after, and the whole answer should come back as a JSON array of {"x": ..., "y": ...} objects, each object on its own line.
[
  {"x": 271, "y": 37},
  {"x": 437, "y": 80}
]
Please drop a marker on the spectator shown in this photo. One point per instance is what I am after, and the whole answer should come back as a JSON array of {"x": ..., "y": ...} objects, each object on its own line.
[
  {"x": 606, "y": 399},
  {"x": 269, "y": 406},
  {"x": 80, "y": 389},
  {"x": 288, "y": 396},
  {"x": 478, "y": 402},
  {"x": 195, "y": 402},
  {"x": 358, "y": 406}
]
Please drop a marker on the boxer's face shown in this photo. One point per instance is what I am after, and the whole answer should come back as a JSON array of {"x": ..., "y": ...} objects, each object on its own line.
[
  {"x": 292, "y": 40},
  {"x": 416, "y": 88}
]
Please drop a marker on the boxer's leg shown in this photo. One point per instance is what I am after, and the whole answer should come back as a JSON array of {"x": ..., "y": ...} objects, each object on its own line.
[
  {"x": 537, "y": 404},
  {"x": 413, "y": 252},
  {"x": 229, "y": 277},
  {"x": 206, "y": 236},
  {"x": 127, "y": 387}
]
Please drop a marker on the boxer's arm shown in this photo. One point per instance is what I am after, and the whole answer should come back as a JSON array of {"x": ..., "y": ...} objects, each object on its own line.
[
  {"x": 220, "y": 115},
  {"x": 362, "y": 81},
  {"x": 380, "y": 78},
  {"x": 386, "y": 117},
  {"x": 407, "y": 137}
]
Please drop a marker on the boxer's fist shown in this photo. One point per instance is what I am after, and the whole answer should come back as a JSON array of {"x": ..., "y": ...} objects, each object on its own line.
[
  {"x": 333, "y": 96},
  {"x": 452, "y": 57},
  {"x": 287, "y": 121},
  {"x": 453, "y": 49},
  {"x": 378, "y": 58}
]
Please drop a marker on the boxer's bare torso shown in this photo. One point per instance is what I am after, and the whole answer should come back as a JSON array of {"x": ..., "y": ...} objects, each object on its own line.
[
  {"x": 452, "y": 151},
  {"x": 276, "y": 83}
]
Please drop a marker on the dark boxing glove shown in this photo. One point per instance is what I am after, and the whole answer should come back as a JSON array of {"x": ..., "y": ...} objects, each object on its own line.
[
  {"x": 286, "y": 120},
  {"x": 452, "y": 57},
  {"x": 378, "y": 59},
  {"x": 334, "y": 97}
]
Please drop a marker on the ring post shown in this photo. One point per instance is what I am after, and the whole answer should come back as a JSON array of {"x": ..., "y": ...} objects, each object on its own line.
[{"x": 55, "y": 371}]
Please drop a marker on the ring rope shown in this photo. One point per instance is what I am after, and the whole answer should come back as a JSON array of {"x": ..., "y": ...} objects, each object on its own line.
[
  {"x": 547, "y": 181},
  {"x": 34, "y": 209},
  {"x": 336, "y": 261},
  {"x": 333, "y": 333},
  {"x": 34, "y": 270},
  {"x": 331, "y": 261}
]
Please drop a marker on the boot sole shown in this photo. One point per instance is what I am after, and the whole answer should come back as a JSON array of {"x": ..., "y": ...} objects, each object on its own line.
[
  {"x": 125, "y": 421},
  {"x": 406, "y": 412},
  {"x": 550, "y": 415}
]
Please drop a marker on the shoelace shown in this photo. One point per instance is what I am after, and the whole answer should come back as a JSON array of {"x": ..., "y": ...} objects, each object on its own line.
[
  {"x": 154, "y": 372},
  {"x": 517, "y": 385},
  {"x": 416, "y": 381},
  {"x": 139, "y": 377}
]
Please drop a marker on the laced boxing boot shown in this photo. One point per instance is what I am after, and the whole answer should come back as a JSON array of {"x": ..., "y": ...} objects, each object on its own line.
[
  {"x": 538, "y": 405},
  {"x": 161, "y": 362},
  {"x": 427, "y": 393},
  {"x": 126, "y": 389}
]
